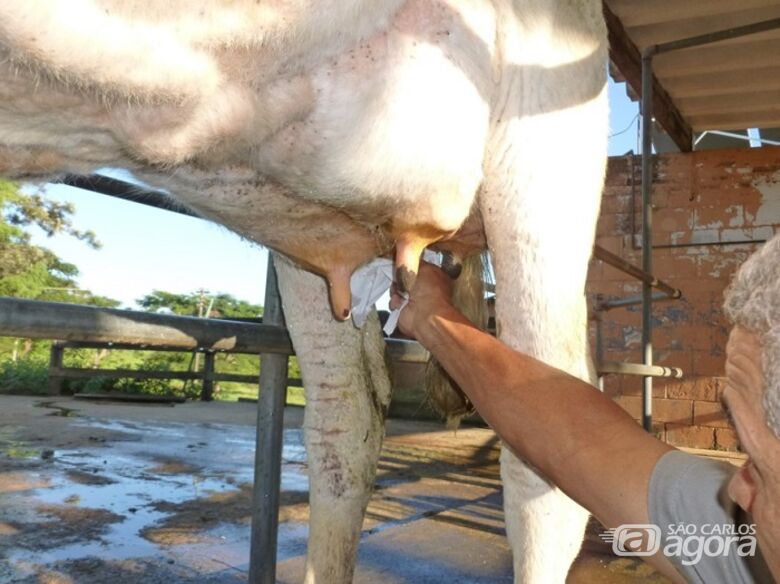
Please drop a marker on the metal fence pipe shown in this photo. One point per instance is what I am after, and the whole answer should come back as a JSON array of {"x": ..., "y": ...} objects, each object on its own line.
[
  {"x": 620, "y": 368},
  {"x": 75, "y": 322},
  {"x": 606, "y": 305},
  {"x": 640, "y": 274},
  {"x": 647, "y": 238}
]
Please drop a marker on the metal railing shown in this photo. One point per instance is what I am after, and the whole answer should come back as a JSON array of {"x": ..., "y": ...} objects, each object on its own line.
[
  {"x": 207, "y": 375},
  {"x": 84, "y": 325}
]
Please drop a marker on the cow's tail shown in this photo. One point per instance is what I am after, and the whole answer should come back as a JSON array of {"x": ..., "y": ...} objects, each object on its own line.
[{"x": 443, "y": 395}]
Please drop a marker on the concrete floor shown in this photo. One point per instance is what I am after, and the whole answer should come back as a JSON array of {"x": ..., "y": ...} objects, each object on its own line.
[{"x": 99, "y": 492}]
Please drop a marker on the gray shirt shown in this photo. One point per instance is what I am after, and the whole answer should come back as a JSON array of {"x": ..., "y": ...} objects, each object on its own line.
[{"x": 707, "y": 538}]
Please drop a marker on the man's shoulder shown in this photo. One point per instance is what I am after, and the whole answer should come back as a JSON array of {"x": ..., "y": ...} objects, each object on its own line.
[{"x": 703, "y": 533}]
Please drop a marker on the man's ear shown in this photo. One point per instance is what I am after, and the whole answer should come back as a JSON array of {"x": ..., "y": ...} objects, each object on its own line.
[{"x": 742, "y": 489}]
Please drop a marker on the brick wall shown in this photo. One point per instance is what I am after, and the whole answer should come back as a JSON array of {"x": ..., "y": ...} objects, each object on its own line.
[{"x": 708, "y": 205}]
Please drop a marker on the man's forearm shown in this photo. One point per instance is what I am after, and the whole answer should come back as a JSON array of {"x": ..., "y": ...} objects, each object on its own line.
[{"x": 562, "y": 425}]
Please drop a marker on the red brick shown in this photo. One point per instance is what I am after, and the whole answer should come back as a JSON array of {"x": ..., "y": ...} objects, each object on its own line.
[
  {"x": 720, "y": 264},
  {"x": 690, "y": 436},
  {"x": 726, "y": 439},
  {"x": 717, "y": 217},
  {"x": 612, "y": 385},
  {"x": 697, "y": 193},
  {"x": 613, "y": 274},
  {"x": 673, "y": 219},
  {"x": 693, "y": 286},
  {"x": 612, "y": 243},
  {"x": 632, "y": 387},
  {"x": 704, "y": 388},
  {"x": 671, "y": 267},
  {"x": 707, "y": 364},
  {"x": 680, "y": 195},
  {"x": 631, "y": 404},
  {"x": 726, "y": 195},
  {"x": 595, "y": 270},
  {"x": 667, "y": 337},
  {"x": 679, "y": 411},
  {"x": 707, "y": 413},
  {"x": 700, "y": 337},
  {"x": 615, "y": 199},
  {"x": 614, "y": 224},
  {"x": 605, "y": 286},
  {"x": 663, "y": 238}
]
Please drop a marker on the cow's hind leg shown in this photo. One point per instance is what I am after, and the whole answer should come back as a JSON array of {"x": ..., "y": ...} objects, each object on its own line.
[
  {"x": 539, "y": 204},
  {"x": 540, "y": 261},
  {"x": 347, "y": 394}
]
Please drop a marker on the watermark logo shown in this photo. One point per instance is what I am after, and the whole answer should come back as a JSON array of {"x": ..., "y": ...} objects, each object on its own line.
[
  {"x": 635, "y": 539},
  {"x": 688, "y": 542}
]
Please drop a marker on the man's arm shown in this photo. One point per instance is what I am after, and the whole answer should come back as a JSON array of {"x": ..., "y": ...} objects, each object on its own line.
[{"x": 581, "y": 440}]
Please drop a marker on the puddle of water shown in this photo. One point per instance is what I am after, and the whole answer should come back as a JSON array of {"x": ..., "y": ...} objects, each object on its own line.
[
  {"x": 220, "y": 448},
  {"x": 60, "y": 411},
  {"x": 131, "y": 495},
  {"x": 225, "y": 546},
  {"x": 214, "y": 458}
]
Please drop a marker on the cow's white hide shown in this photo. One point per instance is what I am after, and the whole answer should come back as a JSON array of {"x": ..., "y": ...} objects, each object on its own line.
[{"x": 334, "y": 131}]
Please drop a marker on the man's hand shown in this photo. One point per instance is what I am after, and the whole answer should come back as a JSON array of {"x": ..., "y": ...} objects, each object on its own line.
[{"x": 430, "y": 296}]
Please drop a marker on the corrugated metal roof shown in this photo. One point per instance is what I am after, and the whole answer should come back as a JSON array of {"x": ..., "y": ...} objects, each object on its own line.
[{"x": 728, "y": 85}]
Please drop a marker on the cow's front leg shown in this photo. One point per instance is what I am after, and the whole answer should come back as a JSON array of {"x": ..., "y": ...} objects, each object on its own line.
[{"x": 347, "y": 394}]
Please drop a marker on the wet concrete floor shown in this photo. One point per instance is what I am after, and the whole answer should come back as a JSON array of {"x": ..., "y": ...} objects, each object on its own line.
[{"x": 99, "y": 493}]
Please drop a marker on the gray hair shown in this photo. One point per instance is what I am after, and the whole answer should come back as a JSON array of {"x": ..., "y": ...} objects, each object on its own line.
[{"x": 752, "y": 301}]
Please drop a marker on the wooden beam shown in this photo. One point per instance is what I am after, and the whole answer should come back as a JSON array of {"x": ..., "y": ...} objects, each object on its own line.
[
  {"x": 633, "y": 13},
  {"x": 730, "y": 103},
  {"x": 713, "y": 22},
  {"x": 727, "y": 82},
  {"x": 717, "y": 58},
  {"x": 78, "y": 373},
  {"x": 626, "y": 56},
  {"x": 765, "y": 118}
]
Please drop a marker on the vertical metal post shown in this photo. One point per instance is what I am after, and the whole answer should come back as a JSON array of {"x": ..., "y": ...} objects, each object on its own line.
[
  {"x": 207, "y": 389},
  {"x": 55, "y": 364},
  {"x": 268, "y": 450},
  {"x": 647, "y": 235},
  {"x": 598, "y": 317}
]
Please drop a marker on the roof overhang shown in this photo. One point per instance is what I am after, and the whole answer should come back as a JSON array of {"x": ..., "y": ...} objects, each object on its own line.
[{"x": 729, "y": 84}]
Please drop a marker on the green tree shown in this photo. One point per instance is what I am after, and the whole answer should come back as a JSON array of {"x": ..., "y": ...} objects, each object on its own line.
[
  {"x": 30, "y": 271},
  {"x": 198, "y": 303}
]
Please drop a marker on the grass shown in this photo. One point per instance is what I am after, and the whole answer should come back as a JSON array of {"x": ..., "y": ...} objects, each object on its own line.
[
  {"x": 28, "y": 375},
  {"x": 235, "y": 391}
]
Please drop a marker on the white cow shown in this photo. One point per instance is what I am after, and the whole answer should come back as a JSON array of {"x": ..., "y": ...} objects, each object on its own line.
[{"x": 335, "y": 131}]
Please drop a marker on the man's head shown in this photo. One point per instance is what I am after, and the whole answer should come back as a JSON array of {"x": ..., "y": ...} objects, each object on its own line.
[
  {"x": 752, "y": 392},
  {"x": 753, "y": 303}
]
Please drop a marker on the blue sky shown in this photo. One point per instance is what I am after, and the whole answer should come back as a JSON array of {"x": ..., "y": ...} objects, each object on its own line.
[{"x": 146, "y": 248}]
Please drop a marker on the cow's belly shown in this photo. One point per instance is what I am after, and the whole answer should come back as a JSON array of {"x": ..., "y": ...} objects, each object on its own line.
[
  {"x": 397, "y": 128},
  {"x": 381, "y": 145}
]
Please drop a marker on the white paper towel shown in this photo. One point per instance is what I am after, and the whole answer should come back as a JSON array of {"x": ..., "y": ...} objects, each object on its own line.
[
  {"x": 368, "y": 283},
  {"x": 371, "y": 281}
]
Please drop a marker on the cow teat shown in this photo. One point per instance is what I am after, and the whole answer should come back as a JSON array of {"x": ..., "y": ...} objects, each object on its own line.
[
  {"x": 408, "y": 251},
  {"x": 340, "y": 293}
]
